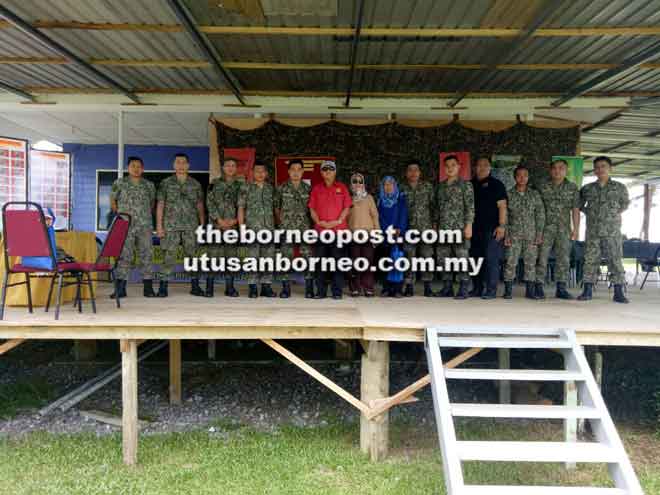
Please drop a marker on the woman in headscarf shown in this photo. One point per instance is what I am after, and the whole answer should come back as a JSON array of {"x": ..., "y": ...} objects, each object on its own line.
[
  {"x": 392, "y": 212},
  {"x": 362, "y": 216}
]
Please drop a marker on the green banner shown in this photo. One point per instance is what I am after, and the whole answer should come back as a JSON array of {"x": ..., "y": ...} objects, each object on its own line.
[{"x": 575, "y": 168}]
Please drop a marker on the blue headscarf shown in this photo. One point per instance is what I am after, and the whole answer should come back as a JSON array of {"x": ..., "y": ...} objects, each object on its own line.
[{"x": 385, "y": 199}]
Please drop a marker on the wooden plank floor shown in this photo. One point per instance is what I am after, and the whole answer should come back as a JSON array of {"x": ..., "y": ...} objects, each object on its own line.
[{"x": 599, "y": 322}]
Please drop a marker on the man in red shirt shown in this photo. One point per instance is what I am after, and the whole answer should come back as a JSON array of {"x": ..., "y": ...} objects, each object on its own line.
[{"x": 329, "y": 204}]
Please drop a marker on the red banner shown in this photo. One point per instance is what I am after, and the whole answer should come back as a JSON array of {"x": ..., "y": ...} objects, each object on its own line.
[
  {"x": 463, "y": 159},
  {"x": 245, "y": 160},
  {"x": 311, "y": 166}
]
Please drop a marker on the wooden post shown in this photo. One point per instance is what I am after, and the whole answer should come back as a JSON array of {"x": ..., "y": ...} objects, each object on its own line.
[
  {"x": 210, "y": 349},
  {"x": 129, "y": 380},
  {"x": 598, "y": 368},
  {"x": 215, "y": 166},
  {"x": 175, "y": 372},
  {"x": 504, "y": 361},
  {"x": 646, "y": 219},
  {"x": 570, "y": 425},
  {"x": 374, "y": 434}
]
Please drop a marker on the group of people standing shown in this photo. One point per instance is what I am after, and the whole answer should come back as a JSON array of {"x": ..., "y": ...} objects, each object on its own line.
[{"x": 495, "y": 225}]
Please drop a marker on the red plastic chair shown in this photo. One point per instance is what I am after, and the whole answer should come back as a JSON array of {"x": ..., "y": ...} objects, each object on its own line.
[
  {"x": 25, "y": 234},
  {"x": 112, "y": 248}
]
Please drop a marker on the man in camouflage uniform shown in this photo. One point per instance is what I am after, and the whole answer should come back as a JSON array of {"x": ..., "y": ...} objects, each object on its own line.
[
  {"x": 255, "y": 211},
  {"x": 292, "y": 213},
  {"x": 180, "y": 210},
  {"x": 455, "y": 211},
  {"x": 603, "y": 202},
  {"x": 135, "y": 195},
  {"x": 526, "y": 215},
  {"x": 222, "y": 205},
  {"x": 420, "y": 200},
  {"x": 562, "y": 203}
]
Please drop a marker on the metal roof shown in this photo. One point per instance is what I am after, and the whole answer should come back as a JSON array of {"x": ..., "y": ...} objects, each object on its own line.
[{"x": 159, "y": 39}]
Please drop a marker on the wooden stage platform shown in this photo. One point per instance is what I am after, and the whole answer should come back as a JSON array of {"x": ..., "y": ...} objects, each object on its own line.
[
  {"x": 373, "y": 322},
  {"x": 181, "y": 316}
]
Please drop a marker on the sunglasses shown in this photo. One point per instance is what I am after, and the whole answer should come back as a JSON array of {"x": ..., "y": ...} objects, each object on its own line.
[
  {"x": 327, "y": 169},
  {"x": 357, "y": 181}
]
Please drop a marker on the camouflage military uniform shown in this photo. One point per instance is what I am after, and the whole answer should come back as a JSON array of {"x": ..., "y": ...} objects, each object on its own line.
[
  {"x": 222, "y": 203},
  {"x": 603, "y": 206},
  {"x": 420, "y": 201},
  {"x": 292, "y": 202},
  {"x": 559, "y": 202},
  {"x": 136, "y": 199},
  {"x": 180, "y": 219},
  {"x": 526, "y": 221},
  {"x": 258, "y": 204},
  {"x": 454, "y": 210}
]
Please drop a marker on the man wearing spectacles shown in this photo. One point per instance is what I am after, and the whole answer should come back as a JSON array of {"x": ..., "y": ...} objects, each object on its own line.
[{"x": 329, "y": 204}]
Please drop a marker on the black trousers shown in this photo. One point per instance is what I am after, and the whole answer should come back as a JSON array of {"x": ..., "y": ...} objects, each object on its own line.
[
  {"x": 485, "y": 246},
  {"x": 322, "y": 250}
]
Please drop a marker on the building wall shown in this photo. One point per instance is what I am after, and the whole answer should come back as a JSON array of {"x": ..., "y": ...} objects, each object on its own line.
[{"x": 87, "y": 159}]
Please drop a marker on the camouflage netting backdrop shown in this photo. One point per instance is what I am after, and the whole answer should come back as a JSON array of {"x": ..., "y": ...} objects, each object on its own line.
[{"x": 378, "y": 150}]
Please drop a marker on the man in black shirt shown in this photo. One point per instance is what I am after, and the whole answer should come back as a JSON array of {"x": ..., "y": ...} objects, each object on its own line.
[{"x": 488, "y": 230}]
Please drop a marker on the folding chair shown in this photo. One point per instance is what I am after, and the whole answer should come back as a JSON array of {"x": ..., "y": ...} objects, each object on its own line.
[
  {"x": 650, "y": 265},
  {"x": 112, "y": 248},
  {"x": 25, "y": 234}
]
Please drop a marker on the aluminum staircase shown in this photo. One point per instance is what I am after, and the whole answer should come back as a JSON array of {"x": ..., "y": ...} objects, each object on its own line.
[{"x": 607, "y": 448}]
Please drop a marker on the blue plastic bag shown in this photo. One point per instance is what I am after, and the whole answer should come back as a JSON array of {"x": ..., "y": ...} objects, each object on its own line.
[
  {"x": 395, "y": 276},
  {"x": 43, "y": 262}
]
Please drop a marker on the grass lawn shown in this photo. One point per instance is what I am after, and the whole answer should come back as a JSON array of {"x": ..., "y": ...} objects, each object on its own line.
[{"x": 239, "y": 460}]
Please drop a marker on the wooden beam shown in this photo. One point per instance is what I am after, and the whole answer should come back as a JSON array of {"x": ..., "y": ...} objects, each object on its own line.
[
  {"x": 175, "y": 372},
  {"x": 406, "y": 393},
  {"x": 129, "y": 377},
  {"x": 10, "y": 344},
  {"x": 341, "y": 31},
  {"x": 375, "y": 94},
  {"x": 241, "y": 65},
  {"x": 316, "y": 375},
  {"x": 375, "y": 385}
]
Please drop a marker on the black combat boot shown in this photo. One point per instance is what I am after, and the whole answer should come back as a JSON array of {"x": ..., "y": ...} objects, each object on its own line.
[
  {"x": 337, "y": 293},
  {"x": 561, "y": 292},
  {"x": 508, "y": 290},
  {"x": 462, "y": 290},
  {"x": 119, "y": 287},
  {"x": 252, "y": 292},
  {"x": 162, "y": 289},
  {"x": 321, "y": 291},
  {"x": 477, "y": 289},
  {"x": 267, "y": 291},
  {"x": 230, "y": 290},
  {"x": 209, "y": 287},
  {"x": 619, "y": 296},
  {"x": 428, "y": 290},
  {"x": 538, "y": 290},
  {"x": 409, "y": 290},
  {"x": 148, "y": 290},
  {"x": 530, "y": 290},
  {"x": 195, "y": 289},
  {"x": 491, "y": 293},
  {"x": 309, "y": 289},
  {"x": 586, "y": 292},
  {"x": 285, "y": 293},
  {"x": 447, "y": 290}
]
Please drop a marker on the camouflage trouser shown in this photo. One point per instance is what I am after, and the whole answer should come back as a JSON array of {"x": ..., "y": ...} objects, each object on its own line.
[
  {"x": 222, "y": 251},
  {"x": 169, "y": 244},
  {"x": 529, "y": 251},
  {"x": 257, "y": 251},
  {"x": 420, "y": 250},
  {"x": 287, "y": 251},
  {"x": 609, "y": 248},
  {"x": 453, "y": 251},
  {"x": 138, "y": 241},
  {"x": 560, "y": 241}
]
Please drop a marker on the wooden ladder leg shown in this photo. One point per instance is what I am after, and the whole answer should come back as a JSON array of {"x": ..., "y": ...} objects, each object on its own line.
[{"x": 374, "y": 433}]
